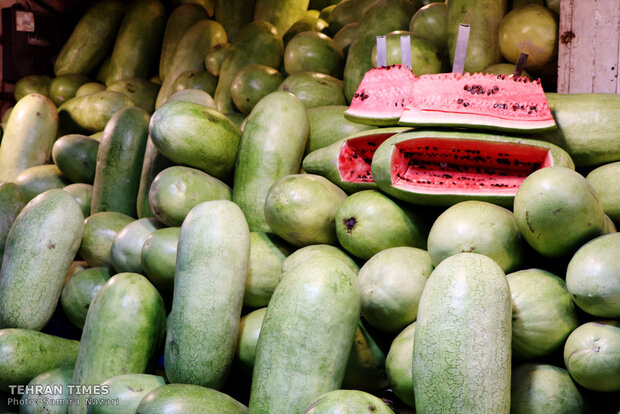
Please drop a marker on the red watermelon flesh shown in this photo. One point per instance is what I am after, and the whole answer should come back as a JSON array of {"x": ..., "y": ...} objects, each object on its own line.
[
  {"x": 393, "y": 95},
  {"x": 355, "y": 157},
  {"x": 481, "y": 100},
  {"x": 440, "y": 165},
  {"x": 381, "y": 95}
]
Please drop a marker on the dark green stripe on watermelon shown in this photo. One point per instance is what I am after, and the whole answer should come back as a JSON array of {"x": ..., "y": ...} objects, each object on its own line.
[
  {"x": 444, "y": 167},
  {"x": 347, "y": 162}
]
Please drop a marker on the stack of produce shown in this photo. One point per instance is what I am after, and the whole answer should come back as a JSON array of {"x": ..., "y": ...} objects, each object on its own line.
[{"x": 224, "y": 207}]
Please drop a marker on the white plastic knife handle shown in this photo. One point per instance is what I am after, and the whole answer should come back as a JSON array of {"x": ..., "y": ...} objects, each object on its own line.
[
  {"x": 461, "y": 48},
  {"x": 405, "y": 50},
  {"x": 381, "y": 52}
]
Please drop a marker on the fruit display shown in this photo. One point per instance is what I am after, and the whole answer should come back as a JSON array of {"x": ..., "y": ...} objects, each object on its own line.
[{"x": 230, "y": 207}]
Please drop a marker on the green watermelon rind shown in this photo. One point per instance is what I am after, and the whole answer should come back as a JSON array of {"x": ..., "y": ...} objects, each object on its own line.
[
  {"x": 430, "y": 118},
  {"x": 381, "y": 167},
  {"x": 362, "y": 117}
]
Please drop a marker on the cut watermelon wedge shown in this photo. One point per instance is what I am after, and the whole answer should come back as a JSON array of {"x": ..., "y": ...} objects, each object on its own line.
[
  {"x": 380, "y": 97},
  {"x": 393, "y": 95},
  {"x": 441, "y": 168},
  {"x": 347, "y": 162},
  {"x": 480, "y": 100}
]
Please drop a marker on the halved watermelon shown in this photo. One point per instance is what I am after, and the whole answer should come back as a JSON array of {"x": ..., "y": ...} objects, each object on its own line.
[
  {"x": 444, "y": 167},
  {"x": 347, "y": 162}
]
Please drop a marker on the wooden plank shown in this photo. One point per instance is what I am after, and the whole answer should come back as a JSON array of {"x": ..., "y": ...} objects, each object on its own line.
[
  {"x": 589, "y": 46},
  {"x": 565, "y": 43},
  {"x": 582, "y": 54},
  {"x": 605, "y": 46}
]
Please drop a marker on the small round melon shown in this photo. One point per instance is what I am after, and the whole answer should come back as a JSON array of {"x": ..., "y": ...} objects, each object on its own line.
[
  {"x": 543, "y": 313},
  {"x": 391, "y": 284},
  {"x": 301, "y": 208},
  {"x": 530, "y": 29},
  {"x": 544, "y": 389},
  {"x": 591, "y": 355},
  {"x": 79, "y": 291},
  {"x": 40, "y": 178},
  {"x": 313, "y": 52},
  {"x": 76, "y": 156},
  {"x": 31, "y": 84},
  {"x": 605, "y": 181},
  {"x": 557, "y": 210},
  {"x": 369, "y": 221},
  {"x": 249, "y": 330},
  {"x": 100, "y": 229},
  {"x": 431, "y": 21},
  {"x": 252, "y": 83},
  {"x": 399, "y": 365},
  {"x": 593, "y": 276},
  {"x": 178, "y": 189},
  {"x": 315, "y": 89},
  {"x": 64, "y": 87},
  {"x": 478, "y": 227}
]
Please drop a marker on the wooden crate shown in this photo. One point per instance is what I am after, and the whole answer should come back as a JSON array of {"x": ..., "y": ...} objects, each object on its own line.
[{"x": 589, "y": 46}]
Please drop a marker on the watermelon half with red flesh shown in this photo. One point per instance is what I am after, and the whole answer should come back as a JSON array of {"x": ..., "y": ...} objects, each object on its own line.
[
  {"x": 444, "y": 167},
  {"x": 347, "y": 162},
  {"x": 487, "y": 101}
]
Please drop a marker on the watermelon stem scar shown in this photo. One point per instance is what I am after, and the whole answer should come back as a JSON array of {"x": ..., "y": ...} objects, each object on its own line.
[{"x": 349, "y": 224}]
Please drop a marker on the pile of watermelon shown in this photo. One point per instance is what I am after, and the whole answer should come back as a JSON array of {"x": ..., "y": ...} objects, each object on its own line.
[{"x": 227, "y": 207}]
